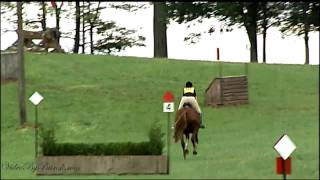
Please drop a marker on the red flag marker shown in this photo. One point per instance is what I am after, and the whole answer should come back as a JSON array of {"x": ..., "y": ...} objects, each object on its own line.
[{"x": 168, "y": 97}]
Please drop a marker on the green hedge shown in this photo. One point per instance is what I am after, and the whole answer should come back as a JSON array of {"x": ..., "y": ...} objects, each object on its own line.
[{"x": 152, "y": 147}]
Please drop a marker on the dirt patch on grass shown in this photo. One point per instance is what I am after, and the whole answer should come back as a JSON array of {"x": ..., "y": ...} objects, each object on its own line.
[{"x": 7, "y": 81}]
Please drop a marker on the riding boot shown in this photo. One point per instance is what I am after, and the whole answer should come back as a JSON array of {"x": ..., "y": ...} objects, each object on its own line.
[{"x": 201, "y": 125}]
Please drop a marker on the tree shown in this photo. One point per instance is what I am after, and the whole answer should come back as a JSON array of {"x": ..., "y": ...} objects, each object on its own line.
[
  {"x": 315, "y": 17},
  {"x": 57, "y": 10},
  {"x": 300, "y": 20},
  {"x": 9, "y": 10},
  {"x": 21, "y": 86},
  {"x": 93, "y": 16},
  {"x": 66, "y": 12},
  {"x": 230, "y": 13},
  {"x": 44, "y": 19},
  {"x": 244, "y": 14},
  {"x": 106, "y": 36},
  {"x": 160, "y": 29},
  {"x": 83, "y": 29},
  {"x": 269, "y": 15},
  {"x": 77, "y": 29}
]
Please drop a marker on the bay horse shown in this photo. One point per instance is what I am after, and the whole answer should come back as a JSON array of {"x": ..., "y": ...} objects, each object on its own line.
[{"x": 187, "y": 121}]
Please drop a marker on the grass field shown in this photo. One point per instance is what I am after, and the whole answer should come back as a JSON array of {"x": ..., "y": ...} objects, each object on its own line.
[{"x": 107, "y": 99}]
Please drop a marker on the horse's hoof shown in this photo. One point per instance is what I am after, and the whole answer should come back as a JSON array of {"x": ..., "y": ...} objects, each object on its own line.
[
  {"x": 195, "y": 153},
  {"x": 187, "y": 151}
]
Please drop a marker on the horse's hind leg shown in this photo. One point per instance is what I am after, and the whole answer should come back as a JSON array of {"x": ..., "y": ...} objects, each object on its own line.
[
  {"x": 186, "y": 146},
  {"x": 193, "y": 139},
  {"x": 197, "y": 140},
  {"x": 183, "y": 147}
]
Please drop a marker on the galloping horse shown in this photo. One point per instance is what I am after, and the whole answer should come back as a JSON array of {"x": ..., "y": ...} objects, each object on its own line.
[{"x": 187, "y": 122}]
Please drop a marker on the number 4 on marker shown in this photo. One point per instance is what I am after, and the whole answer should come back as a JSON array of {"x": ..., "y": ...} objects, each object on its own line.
[{"x": 168, "y": 107}]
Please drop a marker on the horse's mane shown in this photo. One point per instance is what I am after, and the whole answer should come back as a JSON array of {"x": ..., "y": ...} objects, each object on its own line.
[{"x": 180, "y": 125}]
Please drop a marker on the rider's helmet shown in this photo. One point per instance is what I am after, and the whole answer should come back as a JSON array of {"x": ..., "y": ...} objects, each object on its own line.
[{"x": 188, "y": 84}]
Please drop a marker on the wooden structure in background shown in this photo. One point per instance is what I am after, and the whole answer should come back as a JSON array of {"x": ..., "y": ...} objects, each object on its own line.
[
  {"x": 48, "y": 40},
  {"x": 229, "y": 90}
]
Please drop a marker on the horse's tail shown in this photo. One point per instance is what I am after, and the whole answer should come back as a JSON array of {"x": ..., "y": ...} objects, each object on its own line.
[{"x": 181, "y": 124}]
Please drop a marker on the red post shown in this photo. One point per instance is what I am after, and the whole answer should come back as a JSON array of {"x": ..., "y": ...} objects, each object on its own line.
[
  {"x": 218, "y": 58},
  {"x": 283, "y": 166}
]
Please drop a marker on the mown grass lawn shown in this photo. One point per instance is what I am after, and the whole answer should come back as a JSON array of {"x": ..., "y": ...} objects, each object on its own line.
[{"x": 108, "y": 99}]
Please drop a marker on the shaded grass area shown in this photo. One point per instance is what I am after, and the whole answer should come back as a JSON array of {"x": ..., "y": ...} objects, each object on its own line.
[{"x": 101, "y": 99}]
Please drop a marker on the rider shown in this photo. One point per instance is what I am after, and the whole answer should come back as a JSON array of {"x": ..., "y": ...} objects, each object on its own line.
[{"x": 189, "y": 96}]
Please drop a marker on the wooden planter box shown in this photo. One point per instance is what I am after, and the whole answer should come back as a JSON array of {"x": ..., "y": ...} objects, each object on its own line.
[
  {"x": 9, "y": 66},
  {"x": 75, "y": 165},
  {"x": 230, "y": 90}
]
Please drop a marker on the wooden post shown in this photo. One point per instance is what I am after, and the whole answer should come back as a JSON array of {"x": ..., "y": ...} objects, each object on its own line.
[
  {"x": 218, "y": 54},
  {"x": 246, "y": 69},
  {"x": 284, "y": 172},
  {"x": 21, "y": 76},
  {"x": 168, "y": 143},
  {"x": 218, "y": 59},
  {"x": 36, "y": 133}
]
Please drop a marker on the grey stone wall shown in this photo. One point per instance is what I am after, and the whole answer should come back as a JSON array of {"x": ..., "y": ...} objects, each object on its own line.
[
  {"x": 9, "y": 65},
  {"x": 76, "y": 165}
]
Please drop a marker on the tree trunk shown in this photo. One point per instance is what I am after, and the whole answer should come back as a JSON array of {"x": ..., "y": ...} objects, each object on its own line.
[
  {"x": 83, "y": 30},
  {"x": 77, "y": 35},
  {"x": 251, "y": 27},
  {"x": 44, "y": 19},
  {"x": 264, "y": 58},
  {"x": 252, "y": 34},
  {"x": 160, "y": 30},
  {"x": 264, "y": 33},
  {"x": 306, "y": 31},
  {"x": 306, "y": 40},
  {"x": 58, "y": 23},
  {"x": 91, "y": 38},
  {"x": 21, "y": 80},
  {"x": 90, "y": 29}
]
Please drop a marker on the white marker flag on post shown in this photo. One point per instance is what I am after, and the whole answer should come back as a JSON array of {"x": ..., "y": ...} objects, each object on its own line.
[
  {"x": 36, "y": 98},
  {"x": 168, "y": 102},
  {"x": 168, "y": 107},
  {"x": 285, "y": 146}
]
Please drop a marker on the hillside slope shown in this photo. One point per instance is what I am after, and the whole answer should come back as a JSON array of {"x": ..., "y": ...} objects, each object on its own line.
[{"x": 107, "y": 98}]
